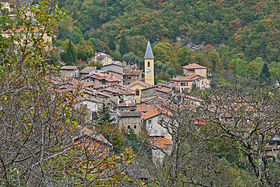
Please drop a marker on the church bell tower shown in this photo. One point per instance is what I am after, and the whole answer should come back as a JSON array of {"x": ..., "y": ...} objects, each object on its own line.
[{"x": 149, "y": 65}]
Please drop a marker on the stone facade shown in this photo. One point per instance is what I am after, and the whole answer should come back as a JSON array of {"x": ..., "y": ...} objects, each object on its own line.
[{"x": 130, "y": 120}]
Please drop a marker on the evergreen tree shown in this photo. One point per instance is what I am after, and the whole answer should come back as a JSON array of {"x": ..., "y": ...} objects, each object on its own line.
[
  {"x": 265, "y": 74},
  {"x": 124, "y": 49},
  {"x": 103, "y": 115},
  {"x": 111, "y": 44},
  {"x": 70, "y": 53}
]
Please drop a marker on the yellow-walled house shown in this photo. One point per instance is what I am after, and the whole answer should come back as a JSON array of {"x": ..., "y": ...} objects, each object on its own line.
[{"x": 137, "y": 86}]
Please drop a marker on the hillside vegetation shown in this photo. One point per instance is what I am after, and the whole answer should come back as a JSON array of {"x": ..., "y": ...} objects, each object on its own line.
[{"x": 240, "y": 35}]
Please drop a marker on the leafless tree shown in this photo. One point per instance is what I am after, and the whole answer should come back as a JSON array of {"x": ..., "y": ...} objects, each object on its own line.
[
  {"x": 246, "y": 117},
  {"x": 190, "y": 162}
]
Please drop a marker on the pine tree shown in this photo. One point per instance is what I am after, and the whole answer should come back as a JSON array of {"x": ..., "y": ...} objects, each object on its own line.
[
  {"x": 111, "y": 44},
  {"x": 70, "y": 52},
  {"x": 124, "y": 49},
  {"x": 103, "y": 115},
  {"x": 265, "y": 75}
]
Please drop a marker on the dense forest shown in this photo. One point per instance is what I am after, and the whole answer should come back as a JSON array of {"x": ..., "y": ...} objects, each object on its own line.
[{"x": 233, "y": 36}]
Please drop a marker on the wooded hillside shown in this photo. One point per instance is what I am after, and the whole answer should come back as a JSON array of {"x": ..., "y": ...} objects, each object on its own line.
[{"x": 238, "y": 31}]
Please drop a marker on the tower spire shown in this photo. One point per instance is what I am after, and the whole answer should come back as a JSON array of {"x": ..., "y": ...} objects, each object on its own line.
[{"x": 149, "y": 52}]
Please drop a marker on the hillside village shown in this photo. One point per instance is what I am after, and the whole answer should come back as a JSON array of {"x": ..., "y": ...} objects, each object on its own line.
[
  {"x": 73, "y": 108},
  {"x": 133, "y": 98}
]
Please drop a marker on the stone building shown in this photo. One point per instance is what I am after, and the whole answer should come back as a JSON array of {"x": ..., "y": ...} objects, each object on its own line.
[
  {"x": 70, "y": 71},
  {"x": 131, "y": 75},
  {"x": 130, "y": 120}
]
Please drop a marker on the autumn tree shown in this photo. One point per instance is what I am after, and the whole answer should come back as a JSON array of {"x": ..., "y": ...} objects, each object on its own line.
[{"x": 37, "y": 124}]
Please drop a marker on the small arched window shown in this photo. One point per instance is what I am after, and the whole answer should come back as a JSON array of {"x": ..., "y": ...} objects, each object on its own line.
[
  {"x": 137, "y": 92},
  {"x": 134, "y": 126},
  {"x": 128, "y": 126},
  {"x": 149, "y": 63}
]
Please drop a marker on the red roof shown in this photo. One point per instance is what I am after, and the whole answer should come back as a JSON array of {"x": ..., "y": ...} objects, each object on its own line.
[
  {"x": 182, "y": 79},
  {"x": 150, "y": 114},
  {"x": 194, "y": 66},
  {"x": 193, "y": 76},
  {"x": 112, "y": 91},
  {"x": 160, "y": 142},
  {"x": 165, "y": 90}
]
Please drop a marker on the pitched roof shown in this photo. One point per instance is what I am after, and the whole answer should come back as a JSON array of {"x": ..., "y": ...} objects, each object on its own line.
[
  {"x": 98, "y": 137},
  {"x": 160, "y": 142},
  {"x": 138, "y": 82},
  {"x": 133, "y": 72},
  {"x": 149, "y": 52},
  {"x": 193, "y": 76},
  {"x": 114, "y": 71},
  {"x": 112, "y": 91},
  {"x": 69, "y": 67},
  {"x": 150, "y": 114},
  {"x": 88, "y": 69},
  {"x": 114, "y": 64},
  {"x": 182, "y": 79},
  {"x": 164, "y": 90},
  {"x": 194, "y": 66}
]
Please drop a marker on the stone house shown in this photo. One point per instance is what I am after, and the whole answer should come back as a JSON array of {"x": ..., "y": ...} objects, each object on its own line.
[
  {"x": 88, "y": 107},
  {"x": 152, "y": 126},
  {"x": 154, "y": 91},
  {"x": 113, "y": 66},
  {"x": 70, "y": 71},
  {"x": 185, "y": 84},
  {"x": 102, "y": 58},
  {"x": 182, "y": 84},
  {"x": 127, "y": 107},
  {"x": 137, "y": 86},
  {"x": 160, "y": 144},
  {"x": 131, "y": 75},
  {"x": 113, "y": 73},
  {"x": 87, "y": 71},
  {"x": 195, "y": 68},
  {"x": 130, "y": 120}
]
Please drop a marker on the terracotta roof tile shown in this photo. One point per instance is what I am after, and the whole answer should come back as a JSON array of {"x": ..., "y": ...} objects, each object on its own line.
[
  {"x": 181, "y": 79},
  {"x": 165, "y": 90},
  {"x": 98, "y": 137},
  {"x": 194, "y": 66},
  {"x": 160, "y": 142},
  {"x": 193, "y": 76},
  {"x": 150, "y": 114}
]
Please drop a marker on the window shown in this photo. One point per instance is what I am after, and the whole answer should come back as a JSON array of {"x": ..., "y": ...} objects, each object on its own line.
[
  {"x": 149, "y": 121},
  {"x": 128, "y": 126},
  {"x": 201, "y": 71},
  {"x": 182, "y": 84},
  {"x": 134, "y": 126},
  {"x": 129, "y": 77},
  {"x": 149, "y": 63},
  {"x": 137, "y": 92}
]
